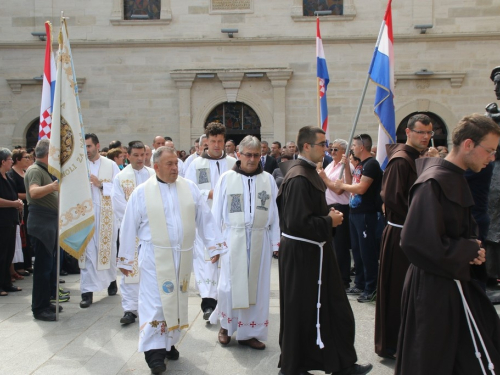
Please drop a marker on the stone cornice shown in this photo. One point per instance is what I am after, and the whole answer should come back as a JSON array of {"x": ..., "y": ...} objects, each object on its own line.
[
  {"x": 16, "y": 84},
  {"x": 455, "y": 78},
  {"x": 187, "y": 42}
]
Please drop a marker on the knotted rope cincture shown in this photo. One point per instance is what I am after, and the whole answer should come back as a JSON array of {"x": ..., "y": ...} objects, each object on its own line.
[
  {"x": 318, "y": 305},
  {"x": 469, "y": 317}
]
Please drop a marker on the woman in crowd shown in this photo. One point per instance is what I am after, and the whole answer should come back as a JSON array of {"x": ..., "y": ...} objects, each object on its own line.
[
  {"x": 22, "y": 160},
  {"x": 10, "y": 206},
  {"x": 117, "y": 155}
]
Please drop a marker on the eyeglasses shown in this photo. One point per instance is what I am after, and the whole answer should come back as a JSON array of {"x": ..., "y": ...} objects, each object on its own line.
[
  {"x": 492, "y": 153},
  {"x": 422, "y": 132},
  {"x": 250, "y": 155},
  {"x": 321, "y": 144},
  {"x": 335, "y": 149}
]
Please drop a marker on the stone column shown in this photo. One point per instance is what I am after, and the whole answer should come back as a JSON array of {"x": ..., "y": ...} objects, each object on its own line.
[
  {"x": 184, "y": 81},
  {"x": 279, "y": 80}
]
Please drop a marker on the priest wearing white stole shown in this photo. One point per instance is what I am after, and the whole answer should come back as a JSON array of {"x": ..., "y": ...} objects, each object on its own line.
[
  {"x": 164, "y": 213},
  {"x": 245, "y": 207},
  {"x": 124, "y": 184},
  {"x": 98, "y": 262},
  {"x": 205, "y": 171}
]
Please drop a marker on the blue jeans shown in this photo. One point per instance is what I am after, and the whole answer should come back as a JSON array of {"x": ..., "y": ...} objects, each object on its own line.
[
  {"x": 44, "y": 277},
  {"x": 365, "y": 250}
]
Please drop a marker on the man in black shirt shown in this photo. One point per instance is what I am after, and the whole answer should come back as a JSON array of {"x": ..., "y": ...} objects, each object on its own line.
[{"x": 364, "y": 204}]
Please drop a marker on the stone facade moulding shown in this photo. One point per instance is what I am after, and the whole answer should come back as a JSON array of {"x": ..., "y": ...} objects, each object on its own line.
[
  {"x": 16, "y": 84},
  {"x": 456, "y": 79},
  {"x": 230, "y": 6}
]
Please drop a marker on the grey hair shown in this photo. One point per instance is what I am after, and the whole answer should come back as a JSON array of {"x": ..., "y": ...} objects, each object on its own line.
[
  {"x": 290, "y": 142},
  {"x": 249, "y": 141},
  {"x": 265, "y": 143},
  {"x": 4, "y": 154},
  {"x": 202, "y": 137},
  {"x": 341, "y": 142},
  {"x": 42, "y": 148},
  {"x": 160, "y": 150}
]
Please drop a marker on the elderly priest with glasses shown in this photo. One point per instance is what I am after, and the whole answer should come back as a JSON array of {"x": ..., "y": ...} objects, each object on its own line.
[
  {"x": 164, "y": 213},
  {"x": 245, "y": 206}
]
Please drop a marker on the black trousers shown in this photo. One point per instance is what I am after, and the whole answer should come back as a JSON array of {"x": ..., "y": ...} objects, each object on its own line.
[
  {"x": 44, "y": 275},
  {"x": 7, "y": 249},
  {"x": 342, "y": 244}
]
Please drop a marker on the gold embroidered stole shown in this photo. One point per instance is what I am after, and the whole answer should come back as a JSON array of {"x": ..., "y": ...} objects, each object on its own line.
[
  {"x": 173, "y": 287},
  {"x": 128, "y": 183},
  {"x": 106, "y": 218},
  {"x": 245, "y": 279}
]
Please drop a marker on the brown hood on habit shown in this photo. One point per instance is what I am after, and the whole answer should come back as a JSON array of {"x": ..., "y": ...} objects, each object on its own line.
[
  {"x": 296, "y": 168},
  {"x": 402, "y": 150},
  {"x": 441, "y": 170}
]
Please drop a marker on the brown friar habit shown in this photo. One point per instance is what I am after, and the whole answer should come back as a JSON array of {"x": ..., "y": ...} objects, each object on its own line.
[
  {"x": 439, "y": 240},
  {"x": 304, "y": 213},
  {"x": 399, "y": 176}
]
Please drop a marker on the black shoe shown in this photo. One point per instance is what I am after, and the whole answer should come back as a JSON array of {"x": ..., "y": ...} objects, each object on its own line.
[
  {"x": 46, "y": 315},
  {"x": 207, "y": 312},
  {"x": 61, "y": 281},
  {"x": 53, "y": 308},
  {"x": 173, "y": 354},
  {"x": 86, "y": 300},
  {"x": 360, "y": 369},
  {"x": 367, "y": 297},
  {"x": 112, "y": 288},
  {"x": 63, "y": 273},
  {"x": 157, "y": 366},
  {"x": 128, "y": 318}
]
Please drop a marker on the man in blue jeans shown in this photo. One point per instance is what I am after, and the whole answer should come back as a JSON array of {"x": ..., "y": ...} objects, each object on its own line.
[
  {"x": 42, "y": 196},
  {"x": 364, "y": 204}
]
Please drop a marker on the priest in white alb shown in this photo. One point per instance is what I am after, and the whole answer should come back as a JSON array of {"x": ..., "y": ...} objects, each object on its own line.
[
  {"x": 124, "y": 184},
  {"x": 164, "y": 213},
  {"x": 245, "y": 208},
  {"x": 98, "y": 262},
  {"x": 205, "y": 171}
]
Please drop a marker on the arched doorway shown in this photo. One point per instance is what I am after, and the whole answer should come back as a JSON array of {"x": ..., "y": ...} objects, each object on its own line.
[
  {"x": 32, "y": 133},
  {"x": 239, "y": 119},
  {"x": 438, "y": 125}
]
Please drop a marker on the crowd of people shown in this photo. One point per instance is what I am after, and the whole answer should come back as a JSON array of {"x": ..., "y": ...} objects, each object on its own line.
[{"x": 226, "y": 209}]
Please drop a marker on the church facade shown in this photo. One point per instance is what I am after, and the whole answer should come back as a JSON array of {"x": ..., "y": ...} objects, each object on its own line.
[{"x": 171, "y": 66}]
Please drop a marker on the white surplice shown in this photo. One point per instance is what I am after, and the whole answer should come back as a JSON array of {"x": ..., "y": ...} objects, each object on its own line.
[
  {"x": 206, "y": 273},
  {"x": 252, "y": 322},
  {"x": 154, "y": 333},
  {"x": 128, "y": 291},
  {"x": 91, "y": 279}
]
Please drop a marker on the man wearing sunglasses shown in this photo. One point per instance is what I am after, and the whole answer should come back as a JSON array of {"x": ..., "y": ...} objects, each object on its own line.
[
  {"x": 399, "y": 176},
  {"x": 365, "y": 202},
  {"x": 317, "y": 323}
]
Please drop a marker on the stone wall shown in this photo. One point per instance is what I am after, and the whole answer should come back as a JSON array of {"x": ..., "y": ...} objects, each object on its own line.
[{"x": 130, "y": 93}]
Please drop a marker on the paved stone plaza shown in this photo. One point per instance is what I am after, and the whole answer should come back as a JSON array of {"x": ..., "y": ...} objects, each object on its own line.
[{"x": 92, "y": 341}]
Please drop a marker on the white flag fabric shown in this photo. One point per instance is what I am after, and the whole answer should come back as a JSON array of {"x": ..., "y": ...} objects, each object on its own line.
[{"x": 67, "y": 156}]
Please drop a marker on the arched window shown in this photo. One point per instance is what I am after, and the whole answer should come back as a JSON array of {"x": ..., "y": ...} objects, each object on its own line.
[
  {"x": 240, "y": 120},
  {"x": 440, "y": 131},
  {"x": 32, "y": 133}
]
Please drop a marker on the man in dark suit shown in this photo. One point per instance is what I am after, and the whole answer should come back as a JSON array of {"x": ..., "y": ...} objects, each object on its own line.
[{"x": 268, "y": 163}]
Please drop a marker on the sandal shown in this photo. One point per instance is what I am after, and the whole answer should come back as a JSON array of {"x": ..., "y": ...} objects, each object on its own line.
[
  {"x": 3, "y": 293},
  {"x": 16, "y": 276},
  {"x": 13, "y": 289}
]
